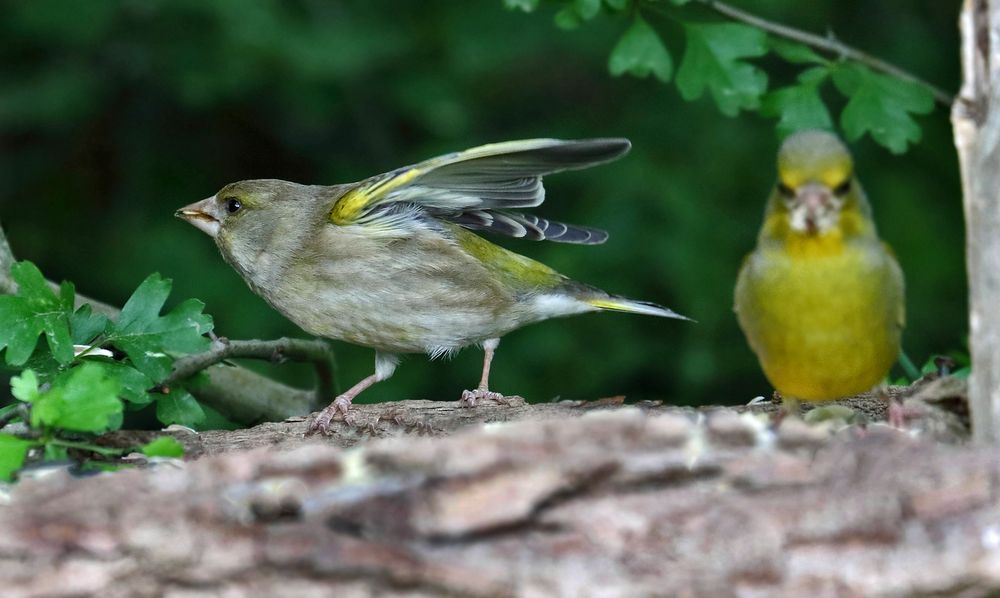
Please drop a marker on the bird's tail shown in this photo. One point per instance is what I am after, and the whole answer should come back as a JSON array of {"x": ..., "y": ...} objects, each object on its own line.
[{"x": 613, "y": 303}]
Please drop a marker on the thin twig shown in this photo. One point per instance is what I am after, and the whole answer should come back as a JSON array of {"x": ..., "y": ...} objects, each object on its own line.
[
  {"x": 316, "y": 352},
  {"x": 20, "y": 410},
  {"x": 7, "y": 286},
  {"x": 828, "y": 44}
]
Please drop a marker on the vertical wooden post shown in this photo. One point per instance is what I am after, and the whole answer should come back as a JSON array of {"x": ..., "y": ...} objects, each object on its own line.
[{"x": 976, "y": 121}]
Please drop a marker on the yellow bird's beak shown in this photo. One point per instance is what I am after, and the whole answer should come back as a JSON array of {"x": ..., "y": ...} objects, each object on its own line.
[
  {"x": 205, "y": 215},
  {"x": 814, "y": 209}
]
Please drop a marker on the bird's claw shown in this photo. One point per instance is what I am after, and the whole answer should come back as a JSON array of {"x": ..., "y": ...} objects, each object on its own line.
[
  {"x": 321, "y": 423},
  {"x": 471, "y": 398}
]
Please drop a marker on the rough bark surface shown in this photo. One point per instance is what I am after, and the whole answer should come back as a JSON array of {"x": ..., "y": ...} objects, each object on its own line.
[
  {"x": 976, "y": 121},
  {"x": 550, "y": 500}
]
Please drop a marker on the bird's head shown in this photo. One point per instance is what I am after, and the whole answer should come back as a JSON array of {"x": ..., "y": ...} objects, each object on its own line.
[
  {"x": 247, "y": 218},
  {"x": 816, "y": 183}
]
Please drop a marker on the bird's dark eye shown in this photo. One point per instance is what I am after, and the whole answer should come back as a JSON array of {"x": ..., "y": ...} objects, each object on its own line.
[
  {"x": 233, "y": 205},
  {"x": 785, "y": 190},
  {"x": 843, "y": 188}
]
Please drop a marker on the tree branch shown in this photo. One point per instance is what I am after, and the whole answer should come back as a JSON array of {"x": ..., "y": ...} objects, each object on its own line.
[
  {"x": 975, "y": 121},
  {"x": 658, "y": 501},
  {"x": 7, "y": 286},
  {"x": 242, "y": 395},
  {"x": 316, "y": 352},
  {"x": 828, "y": 44}
]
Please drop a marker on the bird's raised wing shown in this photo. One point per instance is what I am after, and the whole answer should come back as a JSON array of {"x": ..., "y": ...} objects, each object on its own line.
[{"x": 479, "y": 187}]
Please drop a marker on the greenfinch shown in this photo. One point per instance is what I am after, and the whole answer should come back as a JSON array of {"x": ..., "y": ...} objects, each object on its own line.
[
  {"x": 820, "y": 299},
  {"x": 393, "y": 263}
]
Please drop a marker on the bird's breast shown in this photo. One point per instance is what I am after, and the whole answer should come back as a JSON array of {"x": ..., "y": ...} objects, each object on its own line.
[{"x": 823, "y": 323}]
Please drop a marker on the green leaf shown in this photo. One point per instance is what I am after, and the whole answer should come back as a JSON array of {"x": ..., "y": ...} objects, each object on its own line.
[
  {"x": 33, "y": 311},
  {"x": 148, "y": 338},
  {"x": 179, "y": 407},
  {"x": 795, "y": 52},
  {"x": 54, "y": 452},
  {"x": 133, "y": 383},
  {"x": 799, "y": 107},
  {"x": 164, "y": 446},
  {"x": 523, "y": 5},
  {"x": 881, "y": 105},
  {"x": 587, "y": 9},
  {"x": 640, "y": 52},
  {"x": 216, "y": 421},
  {"x": 617, "y": 5},
  {"x": 8, "y": 409},
  {"x": 25, "y": 387},
  {"x": 567, "y": 18},
  {"x": 679, "y": 2},
  {"x": 13, "y": 450},
  {"x": 83, "y": 400},
  {"x": 85, "y": 325},
  {"x": 712, "y": 61}
]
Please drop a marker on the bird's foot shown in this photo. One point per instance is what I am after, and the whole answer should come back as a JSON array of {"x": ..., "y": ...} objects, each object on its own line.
[
  {"x": 321, "y": 423},
  {"x": 835, "y": 414},
  {"x": 897, "y": 414},
  {"x": 471, "y": 398}
]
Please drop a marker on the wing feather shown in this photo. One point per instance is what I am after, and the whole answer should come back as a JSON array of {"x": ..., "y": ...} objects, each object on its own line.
[{"x": 476, "y": 188}]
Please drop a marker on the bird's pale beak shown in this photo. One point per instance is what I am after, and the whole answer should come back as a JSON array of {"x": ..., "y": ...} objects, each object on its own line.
[
  {"x": 204, "y": 215},
  {"x": 812, "y": 204}
]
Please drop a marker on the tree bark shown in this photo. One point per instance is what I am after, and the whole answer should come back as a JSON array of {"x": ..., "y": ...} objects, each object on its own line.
[
  {"x": 976, "y": 122},
  {"x": 613, "y": 500}
]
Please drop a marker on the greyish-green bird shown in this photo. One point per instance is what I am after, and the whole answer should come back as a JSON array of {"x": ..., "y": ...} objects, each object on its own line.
[{"x": 391, "y": 262}]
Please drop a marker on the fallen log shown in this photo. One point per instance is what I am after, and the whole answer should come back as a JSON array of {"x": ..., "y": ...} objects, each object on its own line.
[{"x": 566, "y": 501}]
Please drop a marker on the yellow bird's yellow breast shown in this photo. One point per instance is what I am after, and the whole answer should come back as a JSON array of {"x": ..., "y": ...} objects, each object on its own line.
[{"x": 823, "y": 314}]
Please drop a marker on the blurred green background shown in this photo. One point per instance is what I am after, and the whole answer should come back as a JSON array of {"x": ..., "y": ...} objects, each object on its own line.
[{"x": 115, "y": 113}]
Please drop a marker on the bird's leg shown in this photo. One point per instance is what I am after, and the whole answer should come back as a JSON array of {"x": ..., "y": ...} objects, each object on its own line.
[
  {"x": 385, "y": 365},
  {"x": 789, "y": 407},
  {"x": 470, "y": 398},
  {"x": 897, "y": 413}
]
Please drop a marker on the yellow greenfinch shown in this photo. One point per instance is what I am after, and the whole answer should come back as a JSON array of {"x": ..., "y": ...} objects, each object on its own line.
[
  {"x": 820, "y": 299},
  {"x": 391, "y": 263}
]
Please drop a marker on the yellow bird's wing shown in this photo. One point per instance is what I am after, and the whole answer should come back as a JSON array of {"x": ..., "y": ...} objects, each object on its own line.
[{"x": 478, "y": 188}]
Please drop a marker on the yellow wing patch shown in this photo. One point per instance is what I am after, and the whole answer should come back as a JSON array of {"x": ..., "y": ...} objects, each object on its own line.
[{"x": 355, "y": 202}]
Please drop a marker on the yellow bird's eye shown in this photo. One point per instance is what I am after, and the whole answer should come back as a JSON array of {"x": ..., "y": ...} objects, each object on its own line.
[
  {"x": 785, "y": 190},
  {"x": 843, "y": 188},
  {"x": 233, "y": 205}
]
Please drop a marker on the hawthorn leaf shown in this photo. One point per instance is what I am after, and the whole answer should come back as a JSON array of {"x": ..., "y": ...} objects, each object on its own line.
[
  {"x": 25, "y": 387},
  {"x": 881, "y": 105},
  {"x": 795, "y": 52},
  {"x": 799, "y": 107},
  {"x": 85, "y": 325},
  {"x": 179, "y": 407},
  {"x": 13, "y": 450},
  {"x": 713, "y": 61},
  {"x": 640, "y": 52},
  {"x": 55, "y": 452},
  {"x": 83, "y": 399},
  {"x": 164, "y": 446},
  {"x": 35, "y": 310},
  {"x": 149, "y": 338},
  {"x": 134, "y": 385}
]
